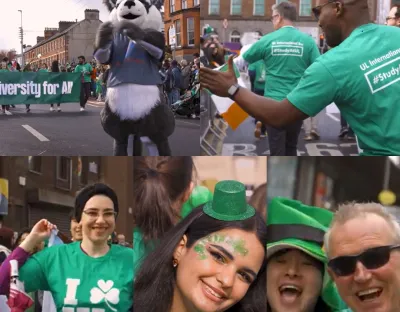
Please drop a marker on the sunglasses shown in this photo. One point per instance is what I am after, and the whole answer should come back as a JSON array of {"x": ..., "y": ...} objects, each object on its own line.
[
  {"x": 317, "y": 10},
  {"x": 372, "y": 259}
]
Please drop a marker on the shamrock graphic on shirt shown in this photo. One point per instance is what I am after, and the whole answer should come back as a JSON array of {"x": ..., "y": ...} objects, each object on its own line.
[{"x": 106, "y": 292}]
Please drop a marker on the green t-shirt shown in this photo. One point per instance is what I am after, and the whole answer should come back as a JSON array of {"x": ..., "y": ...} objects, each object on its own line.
[
  {"x": 287, "y": 53},
  {"x": 79, "y": 281},
  {"x": 84, "y": 68},
  {"x": 42, "y": 70},
  {"x": 4, "y": 71},
  {"x": 259, "y": 68},
  {"x": 362, "y": 77}
]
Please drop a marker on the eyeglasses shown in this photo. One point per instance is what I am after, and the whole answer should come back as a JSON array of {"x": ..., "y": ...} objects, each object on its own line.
[
  {"x": 93, "y": 215},
  {"x": 317, "y": 10},
  {"x": 372, "y": 258},
  {"x": 389, "y": 18}
]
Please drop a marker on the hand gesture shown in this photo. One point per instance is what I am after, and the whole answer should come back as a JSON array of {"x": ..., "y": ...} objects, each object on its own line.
[
  {"x": 42, "y": 230},
  {"x": 218, "y": 82}
]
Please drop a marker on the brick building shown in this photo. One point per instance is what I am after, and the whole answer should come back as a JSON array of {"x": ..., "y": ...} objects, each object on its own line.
[
  {"x": 67, "y": 42},
  {"x": 184, "y": 15},
  {"x": 255, "y": 16},
  {"x": 45, "y": 187}
]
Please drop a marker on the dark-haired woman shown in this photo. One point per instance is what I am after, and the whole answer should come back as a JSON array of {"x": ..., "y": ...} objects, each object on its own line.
[
  {"x": 297, "y": 280},
  {"x": 89, "y": 274},
  {"x": 160, "y": 186},
  {"x": 55, "y": 69},
  {"x": 211, "y": 261}
]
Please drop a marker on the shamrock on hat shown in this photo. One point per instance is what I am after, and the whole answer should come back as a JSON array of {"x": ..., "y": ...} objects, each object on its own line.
[{"x": 293, "y": 225}]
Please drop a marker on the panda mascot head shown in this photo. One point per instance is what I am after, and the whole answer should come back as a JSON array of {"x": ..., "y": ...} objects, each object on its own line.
[
  {"x": 133, "y": 44},
  {"x": 143, "y": 13}
]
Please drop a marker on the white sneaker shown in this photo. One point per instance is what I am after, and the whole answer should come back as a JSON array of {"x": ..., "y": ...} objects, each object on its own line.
[
  {"x": 51, "y": 109},
  {"x": 82, "y": 109},
  {"x": 59, "y": 109}
]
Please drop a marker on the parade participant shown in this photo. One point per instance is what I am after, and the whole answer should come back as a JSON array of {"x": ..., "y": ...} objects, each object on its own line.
[
  {"x": 393, "y": 18},
  {"x": 85, "y": 69},
  {"x": 90, "y": 274},
  {"x": 363, "y": 248},
  {"x": 133, "y": 45},
  {"x": 286, "y": 53},
  {"x": 43, "y": 68},
  {"x": 160, "y": 186},
  {"x": 213, "y": 260},
  {"x": 4, "y": 69},
  {"x": 37, "y": 296},
  {"x": 75, "y": 229},
  {"x": 297, "y": 280},
  {"x": 358, "y": 75},
  {"x": 55, "y": 69},
  {"x": 6, "y": 237}
]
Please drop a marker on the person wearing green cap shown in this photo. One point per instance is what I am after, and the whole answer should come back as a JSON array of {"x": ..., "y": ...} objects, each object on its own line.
[
  {"x": 211, "y": 261},
  {"x": 297, "y": 279}
]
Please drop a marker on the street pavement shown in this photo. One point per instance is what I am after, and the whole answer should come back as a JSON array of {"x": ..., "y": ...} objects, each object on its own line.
[
  {"x": 72, "y": 132},
  {"x": 242, "y": 140}
]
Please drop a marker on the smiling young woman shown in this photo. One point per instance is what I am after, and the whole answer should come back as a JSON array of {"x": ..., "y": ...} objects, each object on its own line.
[
  {"x": 84, "y": 274},
  {"x": 213, "y": 260}
]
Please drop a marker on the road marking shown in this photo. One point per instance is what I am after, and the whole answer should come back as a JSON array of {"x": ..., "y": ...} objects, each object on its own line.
[
  {"x": 38, "y": 135},
  {"x": 333, "y": 117},
  {"x": 95, "y": 105}
]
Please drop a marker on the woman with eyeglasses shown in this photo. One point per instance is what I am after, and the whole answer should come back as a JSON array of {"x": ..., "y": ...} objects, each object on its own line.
[
  {"x": 89, "y": 274},
  {"x": 297, "y": 280},
  {"x": 211, "y": 261}
]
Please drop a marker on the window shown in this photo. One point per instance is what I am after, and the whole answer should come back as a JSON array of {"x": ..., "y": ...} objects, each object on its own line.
[
  {"x": 235, "y": 36},
  {"x": 64, "y": 172},
  {"x": 190, "y": 31},
  {"x": 196, "y": 2},
  {"x": 236, "y": 7},
  {"x": 178, "y": 33},
  {"x": 305, "y": 8},
  {"x": 184, "y": 4},
  {"x": 83, "y": 170},
  {"x": 279, "y": 1},
  {"x": 259, "y": 7},
  {"x": 172, "y": 6},
  {"x": 213, "y": 8},
  {"x": 35, "y": 164}
]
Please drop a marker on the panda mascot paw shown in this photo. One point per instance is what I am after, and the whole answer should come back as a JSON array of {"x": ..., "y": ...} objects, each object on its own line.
[{"x": 132, "y": 43}]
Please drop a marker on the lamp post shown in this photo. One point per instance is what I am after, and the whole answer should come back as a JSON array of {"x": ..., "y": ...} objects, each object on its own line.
[{"x": 22, "y": 42}]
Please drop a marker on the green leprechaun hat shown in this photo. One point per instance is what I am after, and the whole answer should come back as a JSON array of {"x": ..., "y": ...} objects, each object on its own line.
[
  {"x": 229, "y": 202},
  {"x": 293, "y": 225}
]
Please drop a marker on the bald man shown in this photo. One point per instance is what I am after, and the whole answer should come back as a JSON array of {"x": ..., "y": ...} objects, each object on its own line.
[
  {"x": 393, "y": 18},
  {"x": 361, "y": 74}
]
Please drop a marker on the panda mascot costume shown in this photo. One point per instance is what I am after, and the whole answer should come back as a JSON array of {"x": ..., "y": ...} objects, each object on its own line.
[{"x": 132, "y": 43}]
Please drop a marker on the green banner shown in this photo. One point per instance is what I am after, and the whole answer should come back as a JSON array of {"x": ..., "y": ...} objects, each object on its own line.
[{"x": 39, "y": 88}]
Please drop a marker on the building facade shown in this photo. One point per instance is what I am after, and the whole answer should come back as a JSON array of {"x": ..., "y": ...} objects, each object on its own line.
[
  {"x": 45, "y": 187},
  {"x": 67, "y": 42},
  {"x": 255, "y": 16},
  {"x": 184, "y": 17}
]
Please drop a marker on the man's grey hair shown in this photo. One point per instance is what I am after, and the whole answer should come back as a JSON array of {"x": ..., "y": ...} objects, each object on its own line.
[
  {"x": 287, "y": 10},
  {"x": 353, "y": 210}
]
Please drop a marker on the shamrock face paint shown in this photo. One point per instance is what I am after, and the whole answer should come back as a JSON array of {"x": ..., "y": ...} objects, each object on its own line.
[
  {"x": 217, "y": 270},
  {"x": 237, "y": 246}
]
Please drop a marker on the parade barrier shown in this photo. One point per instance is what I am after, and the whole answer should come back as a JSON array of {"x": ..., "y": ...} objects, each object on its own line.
[
  {"x": 213, "y": 130},
  {"x": 39, "y": 88}
]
